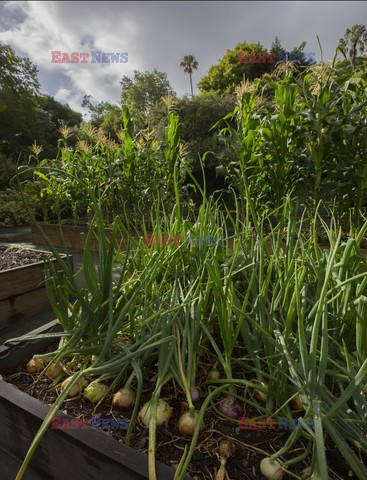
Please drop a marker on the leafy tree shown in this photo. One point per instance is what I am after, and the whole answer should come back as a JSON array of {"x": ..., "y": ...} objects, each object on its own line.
[
  {"x": 197, "y": 116},
  {"x": 354, "y": 38},
  {"x": 104, "y": 115},
  {"x": 276, "y": 46},
  {"x": 17, "y": 73},
  {"x": 7, "y": 171},
  {"x": 51, "y": 114},
  {"x": 19, "y": 87},
  {"x": 300, "y": 47},
  {"x": 144, "y": 89},
  {"x": 59, "y": 113},
  {"x": 25, "y": 114},
  {"x": 189, "y": 64},
  {"x": 223, "y": 77}
]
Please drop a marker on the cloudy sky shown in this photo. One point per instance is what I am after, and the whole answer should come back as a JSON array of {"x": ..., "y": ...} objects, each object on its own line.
[{"x": 157, "y": 35}]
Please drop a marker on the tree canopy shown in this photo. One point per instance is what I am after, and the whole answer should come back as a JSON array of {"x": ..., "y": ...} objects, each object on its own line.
[
  {"x": 189, "y": 64},
  {"x": 354, "y": 38},
  {"x": 104, "y": 115},
  {"x": 144, "y": 89},
  {"x": 25, "y": 114},
  {"x": 223, "y": 77},
  {"x": 19, "y": 87}
]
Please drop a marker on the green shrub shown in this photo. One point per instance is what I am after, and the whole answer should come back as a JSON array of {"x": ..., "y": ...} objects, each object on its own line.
[
  {"x": 12, "y": 209},
  {"x": 7, "y": 170}
]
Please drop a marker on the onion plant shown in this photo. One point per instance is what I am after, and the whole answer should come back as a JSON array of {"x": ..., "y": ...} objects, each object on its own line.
[{"x": 281, "y": 316}]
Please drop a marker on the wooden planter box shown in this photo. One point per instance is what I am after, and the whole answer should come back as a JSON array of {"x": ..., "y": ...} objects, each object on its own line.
[
  {"x": 22, "y": 293},
  {"x": 62, "y": 454},
  {"x": 73, "y": 236}
]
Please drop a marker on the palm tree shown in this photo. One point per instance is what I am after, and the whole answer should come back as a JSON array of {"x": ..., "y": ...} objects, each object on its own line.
[
  {"x": 189, "y": 64},
  {"x": 355, "y": 37}
]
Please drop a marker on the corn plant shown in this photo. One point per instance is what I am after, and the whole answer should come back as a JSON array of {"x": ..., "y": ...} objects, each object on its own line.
[
  {"x": 129, "y": 174},
  {"x": 308, "y": 143}
]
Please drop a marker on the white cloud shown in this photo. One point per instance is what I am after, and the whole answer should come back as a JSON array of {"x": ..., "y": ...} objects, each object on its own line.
[
  {"x": 158, "y": 34},
  {"x": 49, "y": 26}
]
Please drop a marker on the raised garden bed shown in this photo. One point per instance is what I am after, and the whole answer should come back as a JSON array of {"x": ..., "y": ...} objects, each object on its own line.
[
  {"x": 22, "y": 289},
  {"x": 71, "y": 236},
  {"x": 76, "y": 454},
  {"x": 96, "y": 454},
  {"x": 154, "y": 306}
]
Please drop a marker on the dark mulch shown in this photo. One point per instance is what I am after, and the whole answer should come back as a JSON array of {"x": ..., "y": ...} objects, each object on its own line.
[{"x": 11, "y": 257}]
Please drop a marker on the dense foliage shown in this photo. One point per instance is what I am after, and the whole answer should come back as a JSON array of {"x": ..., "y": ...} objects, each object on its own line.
[
  {"x": 299, "y": 135},
  {"x": 278, "y": 320},
  {"x": 129, "y": 173},
  {"x": 229, "y": 72},
  {"x": 308, "y": 141},
  {"x": 25, "y": 114},
  {"x": 12, "y": 208},
  {"x": 144, "y": 89}
]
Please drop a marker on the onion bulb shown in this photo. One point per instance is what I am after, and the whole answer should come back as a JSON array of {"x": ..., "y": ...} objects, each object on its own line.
[
  {"x": 214, "y": 374},
  {"x": 54, "y": 370},
  {"x": 296, "y": 403},
  {"x": 124, "y": 399},
  {"x": 77, "y": 387},
  {"x": 95, "y": 391},
  {"x": 231, "y": 408},
  {"x": 261, "y": 395},
  {"x": 225, "y": 449},
  {"x": 307, "y": 473},
  {"x": 271, "y": 469},
  {"x": 187, "y": 422},
  {"x": 164, "y": 413},
  {"x": 35, "y": 365},
  {"x": 195, "y": 394}
]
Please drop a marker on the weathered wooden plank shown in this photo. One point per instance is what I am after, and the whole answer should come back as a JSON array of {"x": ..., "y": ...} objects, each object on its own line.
[
  {"x": 13, "y": 355},
  {"x": 23, "y": 293},
  {"x": 81, "y": 454},
  {"x": 73, "y": 237},
  {"x": 17, "y": 280},
  {"x": 19, "y": 307},
  {"x": 76, "y": 454},
  {"x": 21, "y": 279},
  {"x": 10, "y": 466}
]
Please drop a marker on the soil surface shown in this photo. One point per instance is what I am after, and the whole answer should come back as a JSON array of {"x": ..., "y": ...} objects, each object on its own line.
[
  {"x": 251, "y": 446},
  {"x": 11, "y": 257}
]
